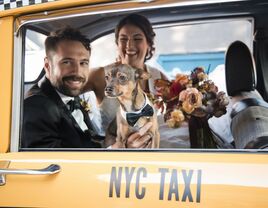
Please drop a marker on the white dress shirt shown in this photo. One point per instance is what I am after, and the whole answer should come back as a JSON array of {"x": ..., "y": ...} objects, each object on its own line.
[{"x": 77, "y": 113}]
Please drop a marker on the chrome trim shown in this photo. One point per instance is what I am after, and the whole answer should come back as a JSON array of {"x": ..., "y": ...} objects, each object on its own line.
[
  {"x": 50, "y": 170},
  {"x": 2, "y": 180},
  {"x": 3, "y": 164},
  {"x": 16, "y": 93},
  {"x": 149, "y": 4}
]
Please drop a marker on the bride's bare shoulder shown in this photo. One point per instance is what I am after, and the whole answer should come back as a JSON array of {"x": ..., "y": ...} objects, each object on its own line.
[{"x": 95, "y": 79}]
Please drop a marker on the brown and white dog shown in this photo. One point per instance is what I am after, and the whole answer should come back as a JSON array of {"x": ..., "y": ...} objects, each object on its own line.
[{"x": 122, "y": 82}]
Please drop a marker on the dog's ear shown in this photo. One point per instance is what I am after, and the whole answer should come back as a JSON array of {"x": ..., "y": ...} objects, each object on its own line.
[{"x": 142, "y": 74}]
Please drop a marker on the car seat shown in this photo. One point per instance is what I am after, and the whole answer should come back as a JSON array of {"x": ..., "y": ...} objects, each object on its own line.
[{"x": 249, "y": 113}]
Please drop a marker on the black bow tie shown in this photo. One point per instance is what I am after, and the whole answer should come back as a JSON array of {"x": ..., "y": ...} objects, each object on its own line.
[
  {"x": 74, "y": 104},
  {"x": 132, "y": 118}
]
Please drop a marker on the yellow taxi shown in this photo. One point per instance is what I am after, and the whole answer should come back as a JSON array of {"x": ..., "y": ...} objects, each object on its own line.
[{"x": 189, "y": 33}]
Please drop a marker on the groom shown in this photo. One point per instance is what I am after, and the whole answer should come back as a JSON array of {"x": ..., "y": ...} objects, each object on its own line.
[{"x": 53, "y": 115}]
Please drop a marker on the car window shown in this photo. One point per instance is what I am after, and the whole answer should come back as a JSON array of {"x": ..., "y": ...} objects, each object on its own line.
[
  {"x": 34, "y": 55},
  {"x": 180, "y": 48},
  {"x": 187, "y": 46}
]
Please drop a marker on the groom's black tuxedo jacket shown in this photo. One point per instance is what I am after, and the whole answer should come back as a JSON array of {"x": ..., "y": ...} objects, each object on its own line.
[{"x": 47, "y": 122}]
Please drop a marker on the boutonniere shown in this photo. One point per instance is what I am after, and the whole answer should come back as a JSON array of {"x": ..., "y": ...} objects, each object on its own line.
[{"x": 86, "y": 106}]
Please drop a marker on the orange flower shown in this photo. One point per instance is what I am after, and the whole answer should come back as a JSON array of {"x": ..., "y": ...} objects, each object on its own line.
[
  {"x": 182, "y": 79},
  {"x": 173, "y": 123},
  {"x": 177, "y": 115},
  {"x": 176, "y": 118},
  {"x": 161, "y": 83},
  {"x": 191, "y": 98},
  {"x": 162, "y": 88}
]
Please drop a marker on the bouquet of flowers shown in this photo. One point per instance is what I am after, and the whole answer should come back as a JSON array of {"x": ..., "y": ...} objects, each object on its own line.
[{"x": 189, "y": 97}]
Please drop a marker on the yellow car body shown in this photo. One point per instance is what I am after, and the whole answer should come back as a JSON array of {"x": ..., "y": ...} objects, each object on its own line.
[{"x": 114, "y": 178}]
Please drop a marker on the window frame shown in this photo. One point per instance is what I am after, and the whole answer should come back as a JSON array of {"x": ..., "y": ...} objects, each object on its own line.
[{"x": 18, "y": 84}]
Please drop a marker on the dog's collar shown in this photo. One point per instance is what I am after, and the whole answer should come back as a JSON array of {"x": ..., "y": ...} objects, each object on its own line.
[{"x": 124, "y": 113}]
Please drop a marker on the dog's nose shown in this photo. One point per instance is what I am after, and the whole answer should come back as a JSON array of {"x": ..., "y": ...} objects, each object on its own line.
[{"x": 109, "y": 89}]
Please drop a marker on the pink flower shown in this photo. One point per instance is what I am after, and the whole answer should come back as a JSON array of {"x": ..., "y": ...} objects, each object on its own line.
[{"x": 191, "y": 99}]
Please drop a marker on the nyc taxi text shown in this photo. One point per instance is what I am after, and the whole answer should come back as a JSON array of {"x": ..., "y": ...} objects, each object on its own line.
[{"x": 168, "y": 182}]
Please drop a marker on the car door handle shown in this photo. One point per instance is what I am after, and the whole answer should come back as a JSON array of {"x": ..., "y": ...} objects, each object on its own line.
[{"x": 50, "y": 170}]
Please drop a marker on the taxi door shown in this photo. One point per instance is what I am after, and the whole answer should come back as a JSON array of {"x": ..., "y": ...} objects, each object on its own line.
[{"x": 132, "y": 179}]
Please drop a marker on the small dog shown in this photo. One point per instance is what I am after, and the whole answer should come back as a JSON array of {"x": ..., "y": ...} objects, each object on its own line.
[{"x": 135, "y": 107}]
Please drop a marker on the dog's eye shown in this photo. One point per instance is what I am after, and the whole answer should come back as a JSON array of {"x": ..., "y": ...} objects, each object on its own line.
[
  {"x": 106, "y": 77},
  {"x": 123, "y": 78}
]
